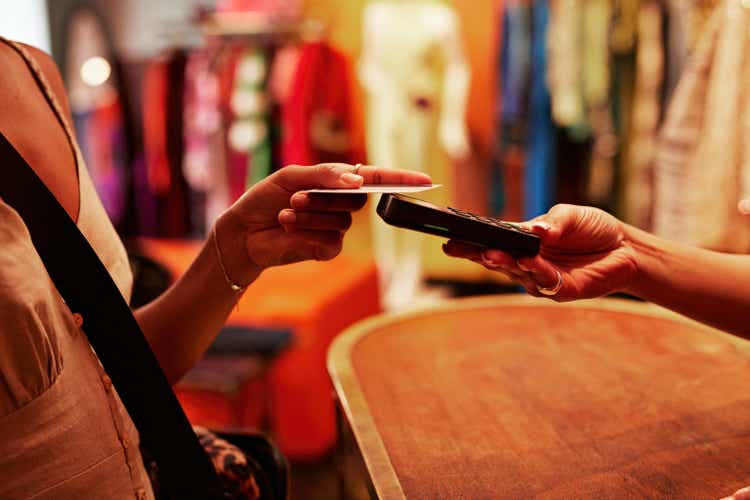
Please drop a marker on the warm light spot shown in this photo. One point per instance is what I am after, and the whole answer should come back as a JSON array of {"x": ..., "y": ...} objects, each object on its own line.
[{"x": 95, "y": 71}]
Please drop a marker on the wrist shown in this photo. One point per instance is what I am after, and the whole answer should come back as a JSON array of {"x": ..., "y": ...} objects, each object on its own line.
[
  {"x": 644, "y": 257},
  {"x": 231, "y": 248}
]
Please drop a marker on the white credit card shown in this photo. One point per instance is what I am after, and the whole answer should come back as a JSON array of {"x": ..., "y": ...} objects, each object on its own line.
[{"x": 377, "y": 188}]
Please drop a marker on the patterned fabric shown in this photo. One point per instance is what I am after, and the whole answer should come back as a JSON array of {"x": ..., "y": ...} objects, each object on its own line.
[
  {"x": 237, "y": 472},
  {"x": 702, "y": 167}
]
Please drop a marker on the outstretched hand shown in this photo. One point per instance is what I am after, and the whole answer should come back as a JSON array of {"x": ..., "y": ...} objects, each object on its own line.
[
  {"x": 586, "y": 246},
  {"x": 276, "y": 223}
]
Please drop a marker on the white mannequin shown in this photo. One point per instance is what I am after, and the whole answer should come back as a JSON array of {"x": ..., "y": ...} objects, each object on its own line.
[{"x": 414, "y": 72}]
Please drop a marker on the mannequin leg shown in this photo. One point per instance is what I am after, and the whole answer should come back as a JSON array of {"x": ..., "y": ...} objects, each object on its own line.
[
  {"x": 399, "y": 252},
  {"x": 380, "y": 150}
]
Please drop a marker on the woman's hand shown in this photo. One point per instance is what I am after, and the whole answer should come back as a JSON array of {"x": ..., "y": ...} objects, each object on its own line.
[
  {"x": 274, "y": 223},
  {"x": 586, "y": 246}
]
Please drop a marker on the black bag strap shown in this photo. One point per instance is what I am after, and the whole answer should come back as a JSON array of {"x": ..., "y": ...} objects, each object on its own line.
[{"x": 185, "y": 470}]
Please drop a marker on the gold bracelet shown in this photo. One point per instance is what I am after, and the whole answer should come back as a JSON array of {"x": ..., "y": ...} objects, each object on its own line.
[{"x": 236, "y": 288}]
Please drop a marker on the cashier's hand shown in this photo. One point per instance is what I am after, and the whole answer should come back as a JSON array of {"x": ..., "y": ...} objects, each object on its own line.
[
  {"x": 583, "y": 249},
  {"x": 274, "y": 223}
]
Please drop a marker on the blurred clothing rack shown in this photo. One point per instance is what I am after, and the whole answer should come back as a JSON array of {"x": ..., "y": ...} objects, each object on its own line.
[
  {"x": 257, "y": 27},
  {"x": 180, "y": 35}
]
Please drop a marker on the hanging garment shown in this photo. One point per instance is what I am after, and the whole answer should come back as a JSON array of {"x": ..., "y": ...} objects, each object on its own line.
[
  {"x": 515, "y": 67},
  {"x": 702, "y": 166},
  {"x": 645, "y": 116},
  {"x": 539, "y": 171},
  {"x": 573, "y": 157},
  {"x": 279, "y": 10},
  {"x": 147, "y": 218},
  {"x": 102, "y": 143},
  {"x": 204, "y": 163},
  {"x": 597, "y": 86},
  {"x": 700, "y": 14},
  {"x": 623, "y": 61},
  {"x": 578, "y": 60},
  {"x": 317, "y": 119},
  {"x": 249, "y": 153},
  {"x": 496, "y": 195},
  {"x": 108, "y": 158},
  {"x": 677, "y": 16},
  {"x": 236, "y": 160},
  {"x": 163, "y": 142},
  {"x": 624, "y": 25},
  {"x": 155, "y": 90},
  {"x": 579, "y": 76},
  {"x": 565, "y": 62}
]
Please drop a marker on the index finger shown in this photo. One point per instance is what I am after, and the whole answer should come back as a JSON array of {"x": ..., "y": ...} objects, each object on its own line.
[{"x": 382, "y": 175}]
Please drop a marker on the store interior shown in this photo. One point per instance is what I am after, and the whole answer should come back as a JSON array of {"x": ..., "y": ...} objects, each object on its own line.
[{"x": 512, "y": 106}]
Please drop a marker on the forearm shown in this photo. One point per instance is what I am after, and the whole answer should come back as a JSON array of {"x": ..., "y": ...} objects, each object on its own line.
[
  {"x": 274, "y": 223},
  {"x": 182, "y": 322},
  {"x": 710, "y": 287}
]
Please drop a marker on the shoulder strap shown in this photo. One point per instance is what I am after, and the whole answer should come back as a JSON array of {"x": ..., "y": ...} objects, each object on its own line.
[{"x": 185, "y": 470}]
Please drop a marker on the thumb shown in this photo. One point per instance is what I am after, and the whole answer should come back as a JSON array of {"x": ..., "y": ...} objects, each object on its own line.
[
  {"x": 325, "y": 175},
  {"x": 554, "y": 224}
]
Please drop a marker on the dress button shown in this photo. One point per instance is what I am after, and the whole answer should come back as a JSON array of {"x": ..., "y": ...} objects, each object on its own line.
[
  {"x": 78, "y": 319},
  {"x": 107, "y": 382},
  {"x": 140, "y": 494},
  {"x": 125, "y": 444}
]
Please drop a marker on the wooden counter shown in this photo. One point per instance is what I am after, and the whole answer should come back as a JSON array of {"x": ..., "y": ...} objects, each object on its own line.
[{"x": 523, "y": 398}]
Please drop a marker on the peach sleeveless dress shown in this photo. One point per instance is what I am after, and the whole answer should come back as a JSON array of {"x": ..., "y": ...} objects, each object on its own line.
[{"x": 64, "y": 433}]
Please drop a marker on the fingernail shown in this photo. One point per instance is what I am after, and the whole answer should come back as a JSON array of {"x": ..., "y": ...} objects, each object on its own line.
[
  {"x": 523, "y": 267},
  {"x": 744, "y": 206},
  {"x": 300, "y": 200},
  {"x": 488, "y": 261},
  {"x": 287, "y": 217},
  {"x": 350, "y": 178},
  {"x": 543, "y": 226},
  {"x": 493, "y": 255}
]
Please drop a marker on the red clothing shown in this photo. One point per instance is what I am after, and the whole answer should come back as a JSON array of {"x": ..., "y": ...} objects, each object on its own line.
[
  {"x": 155, "y": 86},
  {"x": 285, "y": 9},
  {"x": 318, "y": 116}
]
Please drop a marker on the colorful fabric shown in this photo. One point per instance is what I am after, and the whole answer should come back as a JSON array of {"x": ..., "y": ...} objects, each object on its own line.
[
  {"x": 163, "y": 142},
  {"x": 317, "y": 118},
  {"x": 539, "y": 172},
  {"x": 565, "y": 62},
  {"x": 515, "y": 63},
  {"x": 249, "y": 152},
  {"x": 108, "y": 156},
  {"x": 702, "y": 166},
  {"x": 497, "y": 196},
  {"x": 155, "y": 91}
]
